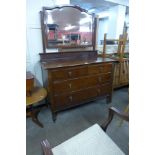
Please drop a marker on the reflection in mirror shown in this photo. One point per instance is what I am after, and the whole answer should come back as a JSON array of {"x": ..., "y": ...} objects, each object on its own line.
[{"x": 68, "y": 26}]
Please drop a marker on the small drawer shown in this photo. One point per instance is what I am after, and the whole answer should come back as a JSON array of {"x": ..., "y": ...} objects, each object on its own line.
[
  {"x": 77, "y": 72},
  {"x": 104, "y": 78},
  {"x": 99, "y": 68},
  {"x": 59, "y": 75}
]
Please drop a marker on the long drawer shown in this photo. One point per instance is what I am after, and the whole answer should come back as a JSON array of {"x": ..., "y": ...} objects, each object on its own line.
[
  {"x": 80, "y": 83},
  {"x": 70, "y": 99},
  {"x": 74, "y": 72}
]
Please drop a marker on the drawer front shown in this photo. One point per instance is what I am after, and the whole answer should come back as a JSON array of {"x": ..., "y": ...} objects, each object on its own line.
[
  {"x": 75, "y": 84},
  {"x": 77, "y": 72},
  {"x": 62, "y": 87},
  {"x": 83, "y": 83},
  {"x": 70, "y": 99},
  {"x": 84, "y": 95},
  {"x": 80, "y": 83},
  {"x": 104, "y": 78},
  {"x": 100, "y": 68},
  {"x": 104, "y": 89},
  {"x": 59, "y": 74},
  {"x": 64, "y": 74},
  {"x": 62, "y": 101}
]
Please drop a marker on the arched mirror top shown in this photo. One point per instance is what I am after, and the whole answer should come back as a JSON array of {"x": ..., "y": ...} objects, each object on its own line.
[{"x": 67, "y": 27}]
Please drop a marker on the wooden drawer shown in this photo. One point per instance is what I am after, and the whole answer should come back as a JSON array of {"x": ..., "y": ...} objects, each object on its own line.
[
  {"x": 77, "y": 72},
  {"x": 59, "y": 74},
  {"x": 63, "y": 74},
  {"x": 104, "y": 89},
  {"x": 61, "y": 101},
  {"x": 104, "y": 78},
  {"x": 62, "y": 87},
  {"x": 83, "y": 83},
  {"x": 80, "y": 83},
  {"x": 71, "y": 99},
  {"x": 75, "y": 84},
  {"x": 100, "y": 68},
  {"x": 84, "y": 95},
  {"x": 91, "y": 81}
]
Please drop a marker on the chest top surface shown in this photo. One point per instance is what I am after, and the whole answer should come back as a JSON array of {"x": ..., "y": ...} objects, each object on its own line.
[{"x": 71, "y": 63}]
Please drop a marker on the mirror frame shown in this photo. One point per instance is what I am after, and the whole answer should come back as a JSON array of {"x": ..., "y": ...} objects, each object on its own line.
[{"x": 44, "y": 29}]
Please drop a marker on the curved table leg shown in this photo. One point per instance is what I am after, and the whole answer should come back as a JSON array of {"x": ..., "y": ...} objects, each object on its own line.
[
  {"x": 35, "y": 118},
  {"x": 33, "y": 113}
]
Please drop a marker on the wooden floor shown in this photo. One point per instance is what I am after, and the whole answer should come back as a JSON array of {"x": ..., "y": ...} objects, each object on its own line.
[{"x": 73, "y": 121}]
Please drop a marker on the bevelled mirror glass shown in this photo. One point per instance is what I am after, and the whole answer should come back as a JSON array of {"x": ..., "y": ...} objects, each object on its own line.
[{"x": 67, "y": 26}]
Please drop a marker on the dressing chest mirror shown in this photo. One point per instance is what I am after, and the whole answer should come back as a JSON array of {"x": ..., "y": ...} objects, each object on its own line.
[{"x": 67, "y": 27}]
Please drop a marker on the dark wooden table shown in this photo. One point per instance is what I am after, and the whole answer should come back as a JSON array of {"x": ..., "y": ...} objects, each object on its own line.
[{"x": 33, "y": 96}]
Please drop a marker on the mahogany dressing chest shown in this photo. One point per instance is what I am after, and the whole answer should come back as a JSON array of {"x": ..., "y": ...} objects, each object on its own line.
[
  {"x": 72, "y": 82},
  {"x": 75, "y": 74}
]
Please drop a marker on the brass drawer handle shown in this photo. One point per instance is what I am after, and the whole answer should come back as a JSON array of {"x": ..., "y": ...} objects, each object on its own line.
[
  {"x": 71, "y": 98},
  {"x": 70, "y": 73},
  {"x": 99, "y": 91},
  {"x": 70, "y": 85}
]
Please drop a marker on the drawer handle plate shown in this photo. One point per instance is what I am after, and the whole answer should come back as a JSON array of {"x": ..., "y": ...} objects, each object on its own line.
[
  {"x": 70, "y": 85},
  {"x": 70, "y": 73},
  {"x": 99, "y": 91},
  {"x": 71, "y": 98}
]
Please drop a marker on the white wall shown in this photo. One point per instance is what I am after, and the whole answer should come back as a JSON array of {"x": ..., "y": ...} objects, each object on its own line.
[
  {"x": 102, "y": 29},
  {"x": 113, "y": 22},
  {"x": 33, "y": 34},
  {"x": 120, "y": 20},
  {"x": 116, "y": 21}
]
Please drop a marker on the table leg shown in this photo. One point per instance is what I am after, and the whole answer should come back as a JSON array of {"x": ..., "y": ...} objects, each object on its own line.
[
  {"x": 35, "y": 118},
  {"x": 34, "y": 115}
]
